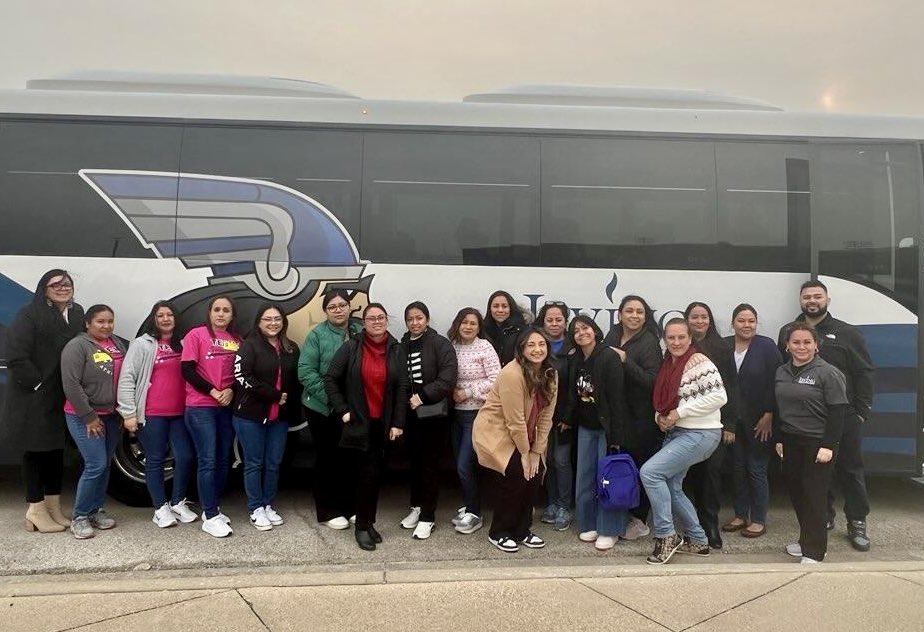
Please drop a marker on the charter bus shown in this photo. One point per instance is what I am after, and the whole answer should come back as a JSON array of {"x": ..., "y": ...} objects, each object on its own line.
[{"x": 147, "y": 187}]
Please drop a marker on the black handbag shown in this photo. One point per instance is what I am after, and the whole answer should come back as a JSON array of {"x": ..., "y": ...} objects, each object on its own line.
[{"x": 433, "y": 411}]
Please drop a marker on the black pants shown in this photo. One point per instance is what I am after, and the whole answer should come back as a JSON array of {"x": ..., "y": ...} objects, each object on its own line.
[
  {"x": 703, "y": 486},
  {"x": 426, "y": 441},
  {"x": 367, "y": 469},
  {"x": 42, "y": 473},
  {"x": 334, "y": 487},
  {"x": 848, "y": 473},
  {"x": 646, "y": 440},
  {"x": 808, "y": 484},
  {"x": 516, "y": 496}
]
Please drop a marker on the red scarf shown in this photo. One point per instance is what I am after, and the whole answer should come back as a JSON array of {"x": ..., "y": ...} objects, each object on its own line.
[
  {"x": 539, "y": 404},
  {"x": 374, "y": 372},
  {"x": 666, "y": 394}
]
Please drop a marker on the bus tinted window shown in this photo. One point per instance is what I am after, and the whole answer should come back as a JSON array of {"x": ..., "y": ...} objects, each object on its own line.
[
  {"x": 48, "y": 209},
  {"x": 324, "y": 165},
  {"x": 447, "y": 198},
  {"x": 627, "y": 203},
  {"x": 764, "y": 206},
  {"x": 866, "y": 216}
]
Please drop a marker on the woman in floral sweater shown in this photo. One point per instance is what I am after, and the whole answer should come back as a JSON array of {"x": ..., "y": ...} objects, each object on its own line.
[{"x": 478, "y": 368}]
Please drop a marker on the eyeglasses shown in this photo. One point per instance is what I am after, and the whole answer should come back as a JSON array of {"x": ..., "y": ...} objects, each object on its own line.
[
  {"x": 375, "y": 319},
  {"x": 271, "y": 319},
  {"x": 61, "y": 285},
  {"x": 555, "y": 303},
  {"x": 339, "y": 307}
]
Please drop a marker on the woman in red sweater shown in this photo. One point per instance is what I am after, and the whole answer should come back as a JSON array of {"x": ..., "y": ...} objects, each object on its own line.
[{"x": 366, "y": 386}]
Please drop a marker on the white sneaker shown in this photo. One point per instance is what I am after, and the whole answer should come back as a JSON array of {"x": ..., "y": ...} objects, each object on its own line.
[
  {"x": 222, "y": 516},
  {"x": 794, "y": 549},
  {"x": 259, "y": 520},
  {"x": 338, "y": 523},
  {"x": 183, "y": 513},
  {"x": 588, "y": 536},
  {"x": 460, "y": 513},
  {"x": 636, "y": 529},
  {"x": 604, "y": 543},
  {"x": 423, "y": 530},
  {"x": 410, "y": 521},
  {"x": 353, "y": 519},
  {"x": 273, "y": 516},
  {"x": 808, "y": 560},
  {"x": 216, "y": 527},
  {"x": 470, "y": 523},
  {"x": 163, "y": 517}
]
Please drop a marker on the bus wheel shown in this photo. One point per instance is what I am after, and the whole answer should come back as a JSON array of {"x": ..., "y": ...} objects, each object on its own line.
[{"x": 127, "y": 478}]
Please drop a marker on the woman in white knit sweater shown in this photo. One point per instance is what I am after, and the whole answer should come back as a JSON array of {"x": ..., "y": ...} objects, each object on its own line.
[
  {"x": 478, "y": 368},
  {"x": 688, "y": 396}
]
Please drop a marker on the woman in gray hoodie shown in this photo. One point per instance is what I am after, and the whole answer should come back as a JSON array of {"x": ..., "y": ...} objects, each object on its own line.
[{"x": 90, "y": 365}]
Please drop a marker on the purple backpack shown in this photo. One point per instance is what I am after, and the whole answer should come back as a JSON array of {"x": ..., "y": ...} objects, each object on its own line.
[{"x": 617, "y": 482}]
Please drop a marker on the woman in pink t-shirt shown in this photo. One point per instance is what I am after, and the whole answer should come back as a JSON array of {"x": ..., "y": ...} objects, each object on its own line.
[
  {"x": 152, "y": 400},
  {"x": 208, "y": 367}
]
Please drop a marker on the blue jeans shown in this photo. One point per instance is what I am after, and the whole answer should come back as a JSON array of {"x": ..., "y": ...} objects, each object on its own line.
[
  {"x": 156, "y": 435},
  {"x": 466, "y": 461},
  {"x": 559, "y": 480},
  {"x": 662, "y": 475},
  {"x": 97, "y": 458},
  {"x": 752, "y": 492},
  {"x": 264, "y": 445},
  {"x": 591, "y": 516},
  {"x": 213, "y": 435}
]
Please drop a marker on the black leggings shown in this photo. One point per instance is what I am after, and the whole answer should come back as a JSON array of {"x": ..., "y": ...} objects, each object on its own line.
[{"x": 42, "y": 472}]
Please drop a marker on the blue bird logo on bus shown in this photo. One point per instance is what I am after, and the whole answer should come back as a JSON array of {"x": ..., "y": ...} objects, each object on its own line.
[{"x": 260, "y": 240}]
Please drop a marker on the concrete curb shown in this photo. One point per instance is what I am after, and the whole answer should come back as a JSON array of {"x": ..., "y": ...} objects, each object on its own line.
[{"x": 395, "y": 573}]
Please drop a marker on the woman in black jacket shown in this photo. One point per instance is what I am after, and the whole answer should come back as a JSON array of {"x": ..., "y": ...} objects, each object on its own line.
[
  {"x": 636, "y": 340},
  {"x": 366, "y": 386},
  {"x": 703, "y": 484},
  {"x": 559, "y": 480},
  {"x": 34, "y": 402},
  {"x": 503, "y": 323},
  {"x": 597, "y": 407},
  {"x": 266, "y": 399},
  {"x": 432, "y": 369}
]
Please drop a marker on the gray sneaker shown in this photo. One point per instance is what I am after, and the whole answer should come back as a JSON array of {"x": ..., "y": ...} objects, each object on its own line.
[
  {"x": 470, "y": 523},
  {"x": 562, "y": 519},
  {"x": 549, "y": 515},
  {"x": 101, "y": 521},
  {"x": 81, "y": 528}
]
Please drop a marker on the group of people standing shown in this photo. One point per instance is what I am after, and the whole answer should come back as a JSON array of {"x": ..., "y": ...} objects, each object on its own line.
[{"x": 530, "y": 402}]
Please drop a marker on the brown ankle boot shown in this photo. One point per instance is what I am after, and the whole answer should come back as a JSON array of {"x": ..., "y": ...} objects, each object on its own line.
[
  {"x": 53, "y": 504},
  {"x": 37, "y": 517}
]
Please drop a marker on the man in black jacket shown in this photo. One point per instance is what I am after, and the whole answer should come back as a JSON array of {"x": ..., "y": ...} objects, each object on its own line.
[{"x": 843, "y": 346}]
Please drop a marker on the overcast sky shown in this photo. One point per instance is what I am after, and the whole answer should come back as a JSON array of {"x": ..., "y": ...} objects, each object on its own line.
[{"x": 841, "y": 55}]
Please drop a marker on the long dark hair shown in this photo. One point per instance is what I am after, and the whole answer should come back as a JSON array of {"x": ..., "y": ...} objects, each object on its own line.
[
  {"x": 149, "y": 324},
  {"x": 590, "y": 322},
  {"x": 453, "y": 333},
  {"x": 231, "y": 329},
  {"x": 39, "y": 296},
  {"x": 541, "y": 378},
  {"x": 650, "y": 323},
  {"x": 516, "y": 315},
  {"x": 712, "y": 331},
  {"x": 287, "y": 345}
]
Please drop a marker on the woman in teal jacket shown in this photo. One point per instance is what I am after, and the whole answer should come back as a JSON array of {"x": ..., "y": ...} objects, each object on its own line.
[{"x": 332, "y": 496}]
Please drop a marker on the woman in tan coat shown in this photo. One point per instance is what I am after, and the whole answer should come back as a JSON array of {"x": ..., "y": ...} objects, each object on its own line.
[{"x": 510, "y": 436}]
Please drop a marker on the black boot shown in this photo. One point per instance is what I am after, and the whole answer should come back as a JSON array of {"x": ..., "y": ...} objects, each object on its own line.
[
  {"x": 364, "y": 540},
  {"x": 856, "y": 531},
  {"x": 376, "y": 536},
  {"x": 713, "y": 535}
]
